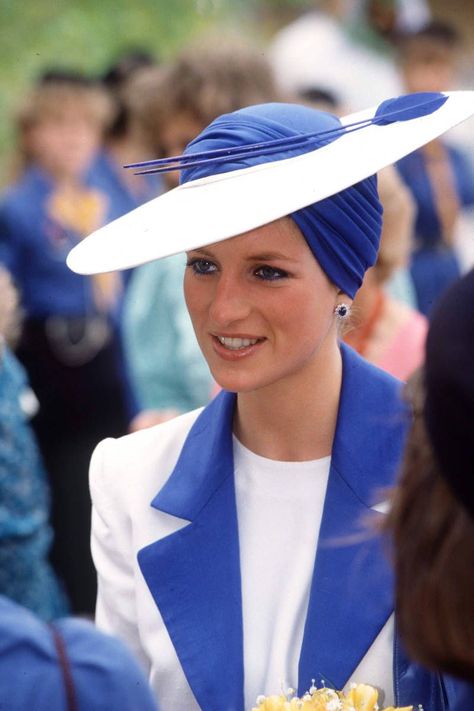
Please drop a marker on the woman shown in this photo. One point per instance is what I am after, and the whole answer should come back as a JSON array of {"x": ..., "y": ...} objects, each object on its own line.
[
  {"x": 432, "y": 517},
  {"x": 251, "y": 568},
  {"x": 168, "y": 370}
]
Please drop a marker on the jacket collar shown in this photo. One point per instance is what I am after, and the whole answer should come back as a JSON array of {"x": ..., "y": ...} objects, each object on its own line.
[
  {"x": 366, "y": 446},
  {"x": 204, "y": 463},
  {"x": 194, "y": 574}
]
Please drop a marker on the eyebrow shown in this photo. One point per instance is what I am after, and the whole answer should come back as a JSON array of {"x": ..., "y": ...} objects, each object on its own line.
[{"x": 261, "y": 257}]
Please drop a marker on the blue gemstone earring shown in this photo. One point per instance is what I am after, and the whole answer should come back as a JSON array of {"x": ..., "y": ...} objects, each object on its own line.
[{"x": 342, "y": 311}]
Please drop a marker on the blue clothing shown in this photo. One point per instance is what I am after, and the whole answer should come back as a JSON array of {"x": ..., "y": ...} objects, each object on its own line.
[
  {"x": 194, "y": 573},
  {"x": 105, "y": 174},
  {"x": 413, "y": 170},
  {"x": 166, "y": 365},
  {"x": 34, "y": 247},
  {"x": 434, "y": 265},
  {"x": 342, "y": 231},
  {"x": 460, "y": 694},
  {"x": 105, "y": 676},
  {"x": 25, "y": 535},
  {"x": 433, "y": 270},
  {"x": 72, "y": 353}
]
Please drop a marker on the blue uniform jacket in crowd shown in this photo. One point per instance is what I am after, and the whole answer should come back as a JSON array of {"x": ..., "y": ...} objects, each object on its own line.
[
  {"x": 34, "y": 247},
  {"x": 413, "y": 170},
  {"x": 194, "y": 574},
  {"x": 105, "y": 677}
]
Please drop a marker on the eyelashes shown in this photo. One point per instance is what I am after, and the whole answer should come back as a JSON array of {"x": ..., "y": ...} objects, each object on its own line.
[
  {"x": 201, "y": 267},
  {"x": 271, "y": 273},
  {"x": 204, "y": 267}
]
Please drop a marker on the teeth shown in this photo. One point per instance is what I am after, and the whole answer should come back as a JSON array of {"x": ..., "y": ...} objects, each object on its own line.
[{"x": 234, "y": 344}]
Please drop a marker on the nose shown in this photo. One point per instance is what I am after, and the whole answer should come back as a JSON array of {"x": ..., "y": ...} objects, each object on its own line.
[{"x": 230, "y": 301}]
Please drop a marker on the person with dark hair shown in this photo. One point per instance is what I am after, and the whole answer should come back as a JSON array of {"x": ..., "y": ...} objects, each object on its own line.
[
  {"x": 432, "y": 515},
  {"x": 439, "y": 175},
  {"x": 124, "y": 139},
  {"x": 228, "y": 540}
]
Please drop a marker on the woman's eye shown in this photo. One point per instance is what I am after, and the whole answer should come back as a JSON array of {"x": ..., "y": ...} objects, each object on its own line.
[
  {"x": 201, "y": 266},
  {"x": 270, "y": 273}
]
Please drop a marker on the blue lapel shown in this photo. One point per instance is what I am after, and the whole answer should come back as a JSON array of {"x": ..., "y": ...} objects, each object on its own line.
[
  {"x": 351, "y": 594},
  {"x": 194, "y": 574}
]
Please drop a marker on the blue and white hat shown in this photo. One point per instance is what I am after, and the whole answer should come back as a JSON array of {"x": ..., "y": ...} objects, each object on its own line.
[{"x": 256, "y": 165}]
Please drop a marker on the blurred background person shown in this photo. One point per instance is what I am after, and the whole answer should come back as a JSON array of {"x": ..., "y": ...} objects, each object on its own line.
[
  {"x": 69, "y": 344},
  {"x": 178, "y": 100},
  {"x": 124, "y": 139},
  {"x": 377, "y": 24},
  {"x": 26, "y": 575},
  {"x": 384, "y": 329},
  {"x": 317, "y": 49},
  {"x": 432, "y": 515},
  {"x": 65, "y": 666},
  {"x": 439, "y": 175}
]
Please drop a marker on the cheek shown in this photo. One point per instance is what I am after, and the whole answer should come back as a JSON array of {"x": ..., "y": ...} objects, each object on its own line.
[
  {"x": 195, "y": 297},
  {"x": 308, "y": 316}
]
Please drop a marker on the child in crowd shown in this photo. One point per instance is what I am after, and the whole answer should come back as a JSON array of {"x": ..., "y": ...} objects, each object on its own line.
[
  {"x": 69, "y": 345},
  {"x": 439, "y": 176}
]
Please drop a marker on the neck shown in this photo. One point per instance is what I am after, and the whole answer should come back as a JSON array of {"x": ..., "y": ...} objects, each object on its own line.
[{"x": 295, "y": 418}]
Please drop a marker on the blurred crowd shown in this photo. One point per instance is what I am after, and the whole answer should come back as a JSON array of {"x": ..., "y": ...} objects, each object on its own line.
[{"x": 84, "y": 358}]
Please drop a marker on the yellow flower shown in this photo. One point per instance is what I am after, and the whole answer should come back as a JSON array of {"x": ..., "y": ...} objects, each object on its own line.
[
  {"x": 362, "y": 697},
  {"x": 272, "y": 703}
]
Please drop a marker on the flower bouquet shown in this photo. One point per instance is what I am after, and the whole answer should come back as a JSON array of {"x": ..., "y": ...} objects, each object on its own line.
[{"x": 360, "y": 697}]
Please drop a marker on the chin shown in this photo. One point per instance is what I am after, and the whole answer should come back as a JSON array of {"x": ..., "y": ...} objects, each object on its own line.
[{"x": 242, "y": 382}]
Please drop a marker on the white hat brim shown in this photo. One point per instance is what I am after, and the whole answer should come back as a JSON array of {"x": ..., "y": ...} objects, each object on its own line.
[{"x": 213, "y": 209}]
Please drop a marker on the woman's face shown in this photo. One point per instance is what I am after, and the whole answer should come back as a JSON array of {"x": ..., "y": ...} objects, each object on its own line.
[{"x": 261, "y": 306}]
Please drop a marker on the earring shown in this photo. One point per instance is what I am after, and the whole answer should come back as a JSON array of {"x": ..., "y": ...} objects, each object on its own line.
[{"x": 342, "y": 311}]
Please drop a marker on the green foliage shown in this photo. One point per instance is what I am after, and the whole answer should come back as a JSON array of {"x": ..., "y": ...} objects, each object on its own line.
[{"x": 88, "y": 34}]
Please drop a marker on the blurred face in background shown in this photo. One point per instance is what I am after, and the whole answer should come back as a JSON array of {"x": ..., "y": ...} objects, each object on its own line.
[
  {"x": 64, "y": 142},
  {"x": 430, "y": 69},
  {"x": 174, "y": 137}
]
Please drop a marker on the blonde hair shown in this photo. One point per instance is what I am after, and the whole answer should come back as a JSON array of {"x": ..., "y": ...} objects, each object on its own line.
[{"x": 50, "y": 99}]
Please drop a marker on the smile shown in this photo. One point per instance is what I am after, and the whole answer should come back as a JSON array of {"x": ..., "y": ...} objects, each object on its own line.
[{"x": 235, "y": 344}]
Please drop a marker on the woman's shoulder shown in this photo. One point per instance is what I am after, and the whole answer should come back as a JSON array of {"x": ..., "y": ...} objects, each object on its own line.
[{"x": 142, "y": 460}]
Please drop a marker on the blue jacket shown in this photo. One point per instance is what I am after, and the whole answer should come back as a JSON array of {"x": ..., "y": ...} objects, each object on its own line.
[
  {"x": 194, "y": 573},
  {"x": 105, "y": 676}
]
